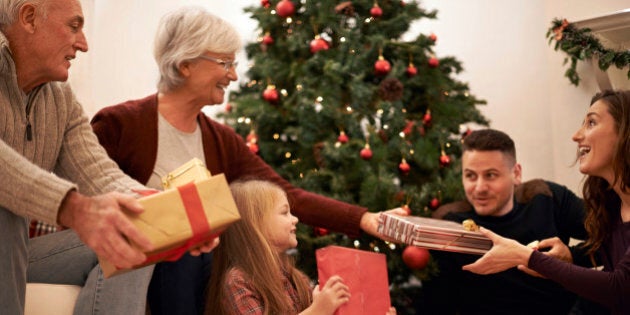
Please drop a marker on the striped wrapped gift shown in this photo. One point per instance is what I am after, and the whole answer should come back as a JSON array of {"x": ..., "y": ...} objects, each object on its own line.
[{"x": 433, "y": 234}]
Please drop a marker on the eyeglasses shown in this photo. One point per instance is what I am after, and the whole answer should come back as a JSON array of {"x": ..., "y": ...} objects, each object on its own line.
[{"x": 227, "y": 65}]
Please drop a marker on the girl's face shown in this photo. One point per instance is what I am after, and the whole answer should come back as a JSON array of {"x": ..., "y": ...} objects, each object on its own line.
[
  {"x": 281, "y": 225},
  {"x": 597, "y": 142}
]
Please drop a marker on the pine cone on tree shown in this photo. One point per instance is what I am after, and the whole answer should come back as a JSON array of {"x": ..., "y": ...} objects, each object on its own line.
[
  {"x": 317, "y": 154},
  {"x": 390, "y": 89}
]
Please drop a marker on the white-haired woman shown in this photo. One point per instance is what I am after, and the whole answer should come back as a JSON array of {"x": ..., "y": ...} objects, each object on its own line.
[{"x": 195, "y": 51}]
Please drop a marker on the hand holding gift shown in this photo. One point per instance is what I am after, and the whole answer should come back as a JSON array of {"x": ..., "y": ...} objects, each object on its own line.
[
  {"x": 363, "y": 272},
  {"x": 188, "y": 216},
  {"x": 434, "y": 234},
  {"x": 330, "y": 296}
]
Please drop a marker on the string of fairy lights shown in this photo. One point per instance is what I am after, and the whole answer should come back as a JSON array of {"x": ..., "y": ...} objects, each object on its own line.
[{"x": 273, "y": 93}]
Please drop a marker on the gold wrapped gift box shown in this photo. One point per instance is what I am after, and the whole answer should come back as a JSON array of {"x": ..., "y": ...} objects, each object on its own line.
[
  {"x": 171, "y": 217},
  {"x": 192, "y": 171}
]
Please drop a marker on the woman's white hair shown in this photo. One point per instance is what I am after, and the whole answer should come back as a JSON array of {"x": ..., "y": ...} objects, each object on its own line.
[
  {"x": 9, "y": 10},
  {"x": 186, "y": 34}
]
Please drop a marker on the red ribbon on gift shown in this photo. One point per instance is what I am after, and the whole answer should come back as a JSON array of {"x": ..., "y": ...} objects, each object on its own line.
[{"x": 198, "y": 224}]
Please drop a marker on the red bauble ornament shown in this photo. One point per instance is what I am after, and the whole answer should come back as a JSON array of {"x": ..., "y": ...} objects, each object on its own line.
[
  {"x": 404, "y": 167},
  {"x": 445, "y": 160},
  {"x": 434, "y": 62},
  {"x": 343, "y": 138},
  {"x": 382, "y": 66},
  {"x": 415, "y": 257},
  {"x": 433, "y": 37},
  {"x": 318, "y": 44},
  {"x": 320, "y": 231},
  {"x": 267, "y": 39},
  {"x": 270, "y": 94},
  {"x": 253, "y": 147},
  {"x": 411, "y": 70},
  {"x": 251, "y": 137},
  {"x": 265, "y": 3},
  {"x": 376, "y": 11},
  {"x": 285, "y": 8},
  {"x": 427, "y": 119},
  {"x": 366, "y": 153},
  {"x": 434, "y": 203},
  {"x": 228, "y": 107},
  {"x": 408, "y": 127}
]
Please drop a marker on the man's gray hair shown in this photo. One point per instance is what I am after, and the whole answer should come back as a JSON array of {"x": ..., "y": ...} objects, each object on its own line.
[
  {"x": 186, "y": 34},
  {"x": 9, "y": 10}
]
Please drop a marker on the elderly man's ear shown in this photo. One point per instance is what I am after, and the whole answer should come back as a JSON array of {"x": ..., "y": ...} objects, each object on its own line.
[{"x": 27, "y": 17}]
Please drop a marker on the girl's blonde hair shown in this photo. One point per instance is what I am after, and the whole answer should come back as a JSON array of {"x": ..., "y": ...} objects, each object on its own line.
[{"x": 245, "y": 246}]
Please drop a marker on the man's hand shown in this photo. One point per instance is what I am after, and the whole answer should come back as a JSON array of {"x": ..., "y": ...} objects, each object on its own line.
[
  {"x": 369, "y": 223},
  {"x": 101, "y": 224},
  {"x": 557, "y": 249}
]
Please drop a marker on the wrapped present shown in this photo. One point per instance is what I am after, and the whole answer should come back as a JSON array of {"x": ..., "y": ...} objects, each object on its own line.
[
  {"x": 365, "y": 273},
  {"x": 179, "y": 219},
  {"x": 193, "y": 170},
  {"x": 433, "y": 234}
]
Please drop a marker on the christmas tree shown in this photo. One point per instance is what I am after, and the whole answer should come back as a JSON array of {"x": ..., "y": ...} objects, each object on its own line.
[{"x": 337, "y": 103}]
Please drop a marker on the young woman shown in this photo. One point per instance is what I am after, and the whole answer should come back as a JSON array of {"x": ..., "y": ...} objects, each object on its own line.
[
  {"x": 252, "y": 274},
  {"x": 603, "y": 147}
]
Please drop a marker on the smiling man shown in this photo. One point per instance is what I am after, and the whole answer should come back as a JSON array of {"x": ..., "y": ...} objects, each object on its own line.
[
  {"x": 534, "y": 211},
  {"x": 53, "y": 168}
]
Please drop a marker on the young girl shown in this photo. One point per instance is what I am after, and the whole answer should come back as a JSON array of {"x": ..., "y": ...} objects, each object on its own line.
[
  {"x": 251, "y": 272},
  {"x": 603, "y": 146}
]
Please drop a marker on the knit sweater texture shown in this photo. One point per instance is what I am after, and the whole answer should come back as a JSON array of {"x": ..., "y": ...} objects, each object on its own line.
[
  {"x": 62, "y": 153},
  {"x": 455, "y": 291}
]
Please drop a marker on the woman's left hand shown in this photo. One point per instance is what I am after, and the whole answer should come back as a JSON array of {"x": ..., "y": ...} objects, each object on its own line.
[
  {"x": 205, "y": 247},
  {"x": 369, "y": 223}
]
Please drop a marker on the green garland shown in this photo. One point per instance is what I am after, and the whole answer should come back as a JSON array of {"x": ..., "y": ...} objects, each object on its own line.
[{"x": 579, "y": 44}]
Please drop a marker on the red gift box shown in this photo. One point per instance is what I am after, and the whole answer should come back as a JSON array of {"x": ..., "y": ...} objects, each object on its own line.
[{"x": 365, "y": 273}]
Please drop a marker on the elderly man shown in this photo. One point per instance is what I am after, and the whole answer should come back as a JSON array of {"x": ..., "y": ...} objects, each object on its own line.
[{"x": 53, "y": 168}]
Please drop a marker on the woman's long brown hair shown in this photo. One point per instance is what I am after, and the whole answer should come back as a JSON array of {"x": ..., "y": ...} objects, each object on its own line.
[{"x": 601, "y": 201}]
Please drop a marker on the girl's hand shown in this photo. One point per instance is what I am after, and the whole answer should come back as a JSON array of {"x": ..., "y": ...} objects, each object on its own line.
[{"x": 326, "y": 300}]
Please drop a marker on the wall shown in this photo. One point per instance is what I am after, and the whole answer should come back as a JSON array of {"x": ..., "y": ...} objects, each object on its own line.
[
  {"x": 506, "y": 58},
  {"x": 508, "y": 62}
]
